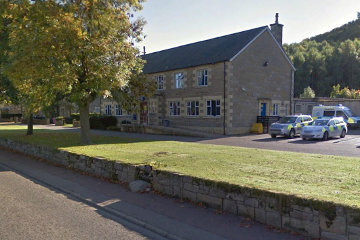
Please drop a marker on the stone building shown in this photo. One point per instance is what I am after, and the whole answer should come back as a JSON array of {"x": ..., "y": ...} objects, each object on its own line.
[{"x": 218, "y": 85}]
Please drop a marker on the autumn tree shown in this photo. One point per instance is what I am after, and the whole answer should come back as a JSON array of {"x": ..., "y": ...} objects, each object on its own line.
[
  {"x": 308, "y": 93},
  {"x": 83, "y": 48}
]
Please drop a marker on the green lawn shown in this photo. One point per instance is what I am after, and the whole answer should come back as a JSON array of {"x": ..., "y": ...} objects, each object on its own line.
[{"x": 321, "y": 177}]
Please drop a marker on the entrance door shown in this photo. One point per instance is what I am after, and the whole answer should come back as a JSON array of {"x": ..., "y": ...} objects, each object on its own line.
[
  {"x": 143, "y": 113},
  {"x": 263, "y": 109}
]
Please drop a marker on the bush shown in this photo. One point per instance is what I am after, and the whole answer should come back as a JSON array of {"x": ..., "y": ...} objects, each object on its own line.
[
  {"x": 308, "y": 93},
  {"x": 102, "y": 122},
  {"x": 125, "y": 122},
  {"x": 60, "y": 118},
  {"x": 113, "y": 128},
  {"x": 75, "y": 116},
  {"x": 9, "y": 115}
]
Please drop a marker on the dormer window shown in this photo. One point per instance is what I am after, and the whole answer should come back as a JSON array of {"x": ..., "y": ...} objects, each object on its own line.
[{"x": 203, "y": 77}]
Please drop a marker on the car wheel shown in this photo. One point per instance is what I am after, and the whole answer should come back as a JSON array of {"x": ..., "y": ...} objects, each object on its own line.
[
  {"x": 291, "y": 133},
  {"x": 343, "y": 133},
  {"x": 325, "y": 136},
  {"x": 273, "y": 135}
]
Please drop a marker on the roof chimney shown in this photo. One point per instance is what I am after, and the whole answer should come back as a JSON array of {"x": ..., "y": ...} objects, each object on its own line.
[{"x": 277, "y": 29}]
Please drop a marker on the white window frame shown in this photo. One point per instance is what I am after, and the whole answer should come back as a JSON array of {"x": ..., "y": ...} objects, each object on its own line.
[
  {"x": 160, "y": 82},
  {"x": 174, "y": 108},
  {"x": 179, "y": 80},
  {"x": 203, "y": 77},
  {"x": 275, "y": 109},
  {"x": 192, "y": 108},
  {"x": 108, "y": 111},
  {"x": 118, "y": 110},
  {"x": 209, "y": 108}
]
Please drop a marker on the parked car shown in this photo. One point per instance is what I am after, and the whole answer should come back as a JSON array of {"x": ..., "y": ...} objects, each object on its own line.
[
  {"x": 324, "y": 128},
  {"x": 336, "y": 111},
  {"x": 289, "y": 126}
]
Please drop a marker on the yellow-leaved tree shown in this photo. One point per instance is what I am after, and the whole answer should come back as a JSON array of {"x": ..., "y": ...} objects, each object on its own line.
[{"x": 81, "y": 48}]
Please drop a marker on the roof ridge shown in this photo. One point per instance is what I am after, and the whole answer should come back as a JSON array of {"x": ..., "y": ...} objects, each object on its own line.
[{"x": 227, "y": 35}]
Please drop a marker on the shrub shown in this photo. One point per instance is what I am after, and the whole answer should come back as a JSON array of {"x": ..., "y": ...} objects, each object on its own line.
[
  {"x": 113, "y": 128},
  {"x": 102, "y": 122},
  {"x": 60, "y": 118},
  {"x": 125, "y": 122},
  {"x": 75, "y": 116},
  {"x": 10, "y": 115}
]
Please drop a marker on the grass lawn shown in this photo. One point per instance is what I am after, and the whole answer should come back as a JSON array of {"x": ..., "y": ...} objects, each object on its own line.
[{"x": 321, "y": 177}]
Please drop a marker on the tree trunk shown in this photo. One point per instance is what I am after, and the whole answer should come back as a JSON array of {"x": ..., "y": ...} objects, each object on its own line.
[
  {"x": 30, "y": 126},
  {"x": 84, "y": 124}
]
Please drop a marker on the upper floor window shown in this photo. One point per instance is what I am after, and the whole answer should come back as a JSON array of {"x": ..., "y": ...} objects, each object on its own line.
[
  {"x": 174, "y": 108},
  {"x": 108, "y": 110},
  {"x": 118, "y": 110},
  {"x": 160, "y": 82},
  {"x": 213, "y": 107},
  {"x": 193, "y": 108},
  {"x": 203, "y": 77},
  {"x": 179, "y": 80}
]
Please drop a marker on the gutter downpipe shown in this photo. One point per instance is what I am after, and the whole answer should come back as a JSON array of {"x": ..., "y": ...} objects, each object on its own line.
[{"x": 224, "y": 123}]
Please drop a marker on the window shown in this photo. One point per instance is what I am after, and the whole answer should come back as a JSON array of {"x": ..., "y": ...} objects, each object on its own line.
[
  {"x": 309, "y": 109},
  {"x": 179, "y": 80},
  {"x": 341, "y": 114},
  {"x": 297, "y": 108},
  {"x": 203, "y": 77},
  {"x": 174, "y": 108},
  {"x": 193, "y": 108},
  {"x": 118, "y": 110},
  {"x": 275, "y": 110},
  {"x": 160, "y": 82},
  {"x": 213, "y": 107},
  {"x": 97, "y": 109},
  {"x": 330, "y": 113},
  {"x": 108, "y": 110}
]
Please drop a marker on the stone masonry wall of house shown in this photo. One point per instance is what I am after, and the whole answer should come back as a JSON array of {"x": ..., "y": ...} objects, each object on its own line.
[
  {"x": 309, "y": 217},
  {"x": 159, "y": 104},
  {"x": 252, "y": 81}
]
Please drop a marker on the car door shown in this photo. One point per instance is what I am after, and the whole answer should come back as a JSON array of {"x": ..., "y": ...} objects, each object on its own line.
[
  {"x": 332, "y": 128},
  {"x": 298, "y": 123}
]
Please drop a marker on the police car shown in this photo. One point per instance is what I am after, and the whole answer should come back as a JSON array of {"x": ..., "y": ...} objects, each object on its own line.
[
  {"x": 324, "y": 128},
  {"x": 289, "y": 126},
  {"x": 336, "y": 111}
]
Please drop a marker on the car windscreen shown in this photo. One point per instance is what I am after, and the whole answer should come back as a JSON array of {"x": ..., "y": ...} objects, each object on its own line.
[
  {"x": 320, "y": 122},
  {"x": 348, "y": 113},
  {"x": 287, "y": 120}
]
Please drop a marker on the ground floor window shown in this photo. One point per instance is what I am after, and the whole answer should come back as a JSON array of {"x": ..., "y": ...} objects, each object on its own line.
[
  {"x": 108, "y": 110},
  {"x": 193, "y": 108},
  {"x": 213, "y": 107},
  {"x": 174, "y": 108},
  {"x": 275, "y": 110},
  {"x": 118, "y": 110}
]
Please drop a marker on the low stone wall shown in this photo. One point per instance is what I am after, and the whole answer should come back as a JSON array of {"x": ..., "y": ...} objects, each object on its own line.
[{"x": 309, "y": 217}]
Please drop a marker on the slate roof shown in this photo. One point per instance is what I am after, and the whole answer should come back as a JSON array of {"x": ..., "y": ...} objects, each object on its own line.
[{"x": 210, "y": 51}]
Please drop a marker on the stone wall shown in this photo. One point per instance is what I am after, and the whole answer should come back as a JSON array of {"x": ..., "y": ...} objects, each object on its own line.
[{"x": 308, "y": 217}]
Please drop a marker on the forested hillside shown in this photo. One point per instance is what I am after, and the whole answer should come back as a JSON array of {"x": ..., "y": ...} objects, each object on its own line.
[{"x": 328, "y": 59}]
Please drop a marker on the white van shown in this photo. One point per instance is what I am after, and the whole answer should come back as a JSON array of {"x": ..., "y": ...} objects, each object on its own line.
[{"x": 336, "y": 111}]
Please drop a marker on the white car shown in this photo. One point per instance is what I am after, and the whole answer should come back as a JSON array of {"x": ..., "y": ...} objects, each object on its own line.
[{"x": 324, "y": 128}]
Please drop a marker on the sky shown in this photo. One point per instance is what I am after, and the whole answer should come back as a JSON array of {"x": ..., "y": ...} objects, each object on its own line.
[{"x": 171, "y": 23}]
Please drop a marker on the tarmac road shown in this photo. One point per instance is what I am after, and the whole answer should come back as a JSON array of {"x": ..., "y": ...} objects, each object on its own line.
[{"x": 42, "y": 201}]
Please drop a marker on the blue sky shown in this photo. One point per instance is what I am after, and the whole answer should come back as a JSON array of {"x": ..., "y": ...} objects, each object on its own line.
[{"x": 172, "y": 23}]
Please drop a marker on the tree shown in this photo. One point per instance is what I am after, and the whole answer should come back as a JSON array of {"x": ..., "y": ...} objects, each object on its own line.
[
  {"x": 83, "y": 48},
  {"x": 308, "y": 93}
]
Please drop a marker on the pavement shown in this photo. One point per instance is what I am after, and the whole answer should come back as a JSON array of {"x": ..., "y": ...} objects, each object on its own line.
[
  {"x": 43, "y": 201},
  {"x": 348, "y": 146}
]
